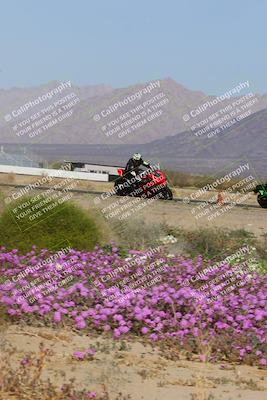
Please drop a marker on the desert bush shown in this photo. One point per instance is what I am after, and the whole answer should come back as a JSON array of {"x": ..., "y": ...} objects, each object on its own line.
[
  {"x": 209, "y": 242},
  {"x": 261, "y": 247},
  {"x": 10, "y": 177},
  {"x": 65, "y": 223},
  {"x": 213, "y": 242},
  {"x": 183, "y": 179},
  {"x": 2, "y": 204},
  {"x": 56, "y": 165},
  {"x": 24, "y": 380},
  {"x": 137, "y": 233}
]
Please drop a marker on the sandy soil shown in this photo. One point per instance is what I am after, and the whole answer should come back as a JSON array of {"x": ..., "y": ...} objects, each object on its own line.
[
  {"x": 176, "y": 214},
  {"x": 136, "y": 369}
]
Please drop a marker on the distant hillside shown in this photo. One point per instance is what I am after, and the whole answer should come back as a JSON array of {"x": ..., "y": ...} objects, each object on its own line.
[
  {"x": 81, "y": 128},
  {"x": 246, "y": 140}
]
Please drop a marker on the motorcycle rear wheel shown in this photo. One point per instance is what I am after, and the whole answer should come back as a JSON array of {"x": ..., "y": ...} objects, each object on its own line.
[{"x": 262, "y": 200}]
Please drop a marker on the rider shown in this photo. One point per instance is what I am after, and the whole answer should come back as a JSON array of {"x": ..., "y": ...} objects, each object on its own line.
[
  {"x": 134, "y": 163},
  {"x": 132, "y": 168}
]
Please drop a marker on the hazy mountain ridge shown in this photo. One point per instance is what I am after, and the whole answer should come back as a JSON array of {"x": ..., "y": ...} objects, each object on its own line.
[
  {"x": 167, "y": 139},
  {"x": 80, "y": 128},
  {"x": 245, "y": 141}
]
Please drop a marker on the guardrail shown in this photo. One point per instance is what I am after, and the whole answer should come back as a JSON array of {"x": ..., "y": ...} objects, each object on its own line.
[{"x": 55, "y": 173}]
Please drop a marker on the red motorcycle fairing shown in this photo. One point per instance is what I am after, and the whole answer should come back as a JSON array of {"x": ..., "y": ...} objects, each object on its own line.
[
  {"x": 120, "y": 171},
  {"x": 150, "y": 184}
]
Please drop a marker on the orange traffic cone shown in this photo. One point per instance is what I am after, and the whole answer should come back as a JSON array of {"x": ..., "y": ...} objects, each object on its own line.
[{"x": 220, "y": 199}]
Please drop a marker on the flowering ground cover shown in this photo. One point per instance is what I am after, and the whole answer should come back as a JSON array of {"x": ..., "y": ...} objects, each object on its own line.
[{"x": 101, "y": 291}]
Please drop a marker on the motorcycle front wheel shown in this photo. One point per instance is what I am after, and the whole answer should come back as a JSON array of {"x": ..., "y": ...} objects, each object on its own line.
[{"x": 167, "y": 193}]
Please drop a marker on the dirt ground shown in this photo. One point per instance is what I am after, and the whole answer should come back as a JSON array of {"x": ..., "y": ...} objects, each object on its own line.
[
  {"x": 134, "y": 368},
  {"x": 179, "y": 214}
]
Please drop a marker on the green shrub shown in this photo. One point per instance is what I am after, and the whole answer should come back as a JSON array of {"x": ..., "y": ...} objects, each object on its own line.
[{"x": 57, "y": 226}]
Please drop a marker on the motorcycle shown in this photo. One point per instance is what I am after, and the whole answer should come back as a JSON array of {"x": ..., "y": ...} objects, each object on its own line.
[
  {"x": 262, "y": 194},
  {"x": 147, "y": 184}
]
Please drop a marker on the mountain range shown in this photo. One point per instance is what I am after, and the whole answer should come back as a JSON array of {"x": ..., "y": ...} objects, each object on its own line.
[{"x": 167, "y": 137}]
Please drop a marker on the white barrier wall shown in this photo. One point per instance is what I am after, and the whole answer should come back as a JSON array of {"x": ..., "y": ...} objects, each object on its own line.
[{"x": 55, "y": 173}]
